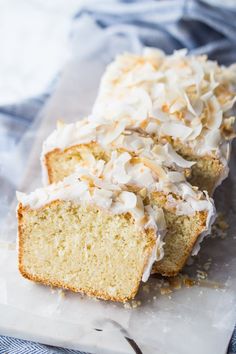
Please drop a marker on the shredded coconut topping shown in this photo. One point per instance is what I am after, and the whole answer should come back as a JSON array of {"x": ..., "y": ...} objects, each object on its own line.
[
  {"x": 140, "y": 172},
  {"x": 143, "y": 163},
  {"x": 111, "y": 137},
  {"x": 188, "y": 98}
]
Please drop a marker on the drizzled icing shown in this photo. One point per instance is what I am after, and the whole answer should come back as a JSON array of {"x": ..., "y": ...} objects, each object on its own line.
[
  {"x": 187, "y": 98},
  {"x": 86, "y": 189}
]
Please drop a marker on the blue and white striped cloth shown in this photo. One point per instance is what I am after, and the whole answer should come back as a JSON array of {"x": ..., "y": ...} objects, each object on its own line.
[
  {"x": 10, "y": 345},
  {"x": 167, "y": 24}
]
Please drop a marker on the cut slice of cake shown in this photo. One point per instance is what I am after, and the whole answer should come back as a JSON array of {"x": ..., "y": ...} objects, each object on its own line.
[
  {"x": 88, "y": 236},
  {"x": 185, "y": 100},
  {"x": 136, "y": 162}
]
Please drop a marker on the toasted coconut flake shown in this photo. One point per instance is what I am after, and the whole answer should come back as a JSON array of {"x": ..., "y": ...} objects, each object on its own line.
[
  {"x": 87, "y": 156},
  {"x": 114, "y": 133},
  {"x": 153, "y": 53},
  {"x": 102, "y": 197},
  {"x": 143, "y": 192},
  {"x": 119, "y": 171},
  {"x": 157, "y": 169},
  {"x": 177, "y": 105},
  {"x": 207, "y": 96},
  {"x": 129, "y": 199},
  {"x": 215, "y": 114},
  {"x": 177, "y": 159},
  {"x": 176, "y": 177},
  {"x": 160, "y": 115},
  {"x": 196, "y": 132},
  {"x": 160, "y": 218},
  {"x": 157, "y": 90},
  {"x": 176, "y": 130},
  {"x": 189, "y": 105},
  {"x": 228, "y": 105},
  {"x": 229, "y": 122},
  {"x": 212, "y": 139}
]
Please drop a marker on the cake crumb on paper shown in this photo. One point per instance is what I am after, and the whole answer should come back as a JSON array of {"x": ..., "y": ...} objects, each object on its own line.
[
  {"x": 61, "y": 293},
  {"x": 166, "y": 291},
  {"x": 201, "y": 274},
  {"x": 132, "y": 305},
  {"x": 127, "y": 305}
]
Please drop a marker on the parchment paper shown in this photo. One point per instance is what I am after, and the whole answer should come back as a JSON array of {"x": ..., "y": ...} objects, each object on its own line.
[{"x": 197, "y": 319}]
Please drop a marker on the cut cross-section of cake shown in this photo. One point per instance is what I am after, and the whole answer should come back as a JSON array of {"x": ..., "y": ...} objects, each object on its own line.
[
  {"x": 136, "y": 162},
  {"x": 185, "y": 100},
  {"x": 88, "y": 236}
]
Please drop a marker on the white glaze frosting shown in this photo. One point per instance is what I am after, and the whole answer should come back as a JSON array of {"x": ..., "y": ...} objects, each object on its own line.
[{"x": 188, "y": 98}]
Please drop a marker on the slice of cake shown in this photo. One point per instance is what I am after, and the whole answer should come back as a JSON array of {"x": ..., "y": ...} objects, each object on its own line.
[
  {"x": 151, "y": 170},
  {"x": 88, "y": 236},
  {"x": 185, "y": 100}
]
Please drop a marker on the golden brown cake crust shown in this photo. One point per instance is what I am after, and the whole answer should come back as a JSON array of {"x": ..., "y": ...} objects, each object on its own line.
[{"x": 48, "y": 164}]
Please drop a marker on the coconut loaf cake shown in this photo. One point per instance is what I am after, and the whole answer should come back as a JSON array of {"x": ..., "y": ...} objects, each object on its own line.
[
  {"x": 88, "y": 236},
  {"x": 134, "y": 160},
  {"x": 185, "y": 100}
]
